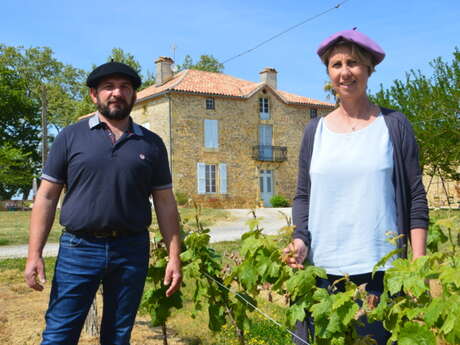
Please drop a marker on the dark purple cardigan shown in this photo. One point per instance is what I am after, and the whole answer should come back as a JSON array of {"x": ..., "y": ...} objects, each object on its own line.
[{"x": 411, "y": 203}]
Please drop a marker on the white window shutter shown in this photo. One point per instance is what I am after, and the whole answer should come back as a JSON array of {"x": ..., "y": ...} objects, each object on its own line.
[
  {"x": 215, "y": 132},
  {"x": 211, "y": 137},
  {"x": 201, "y": 178},
  {"x": 223, "y": 178},
  {"x": 206, "y": 133}
]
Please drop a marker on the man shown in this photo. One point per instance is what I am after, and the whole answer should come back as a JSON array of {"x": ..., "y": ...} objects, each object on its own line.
[{"x": 110, "y": 167}]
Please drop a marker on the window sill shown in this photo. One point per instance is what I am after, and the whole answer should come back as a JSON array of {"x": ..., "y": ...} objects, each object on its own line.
[
  {"x": 208, "y": 149},
  {"x": 266, "y": 122}
]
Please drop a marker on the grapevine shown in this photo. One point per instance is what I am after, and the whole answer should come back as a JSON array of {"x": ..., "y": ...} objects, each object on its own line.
[{"x": 420, "y": 303}]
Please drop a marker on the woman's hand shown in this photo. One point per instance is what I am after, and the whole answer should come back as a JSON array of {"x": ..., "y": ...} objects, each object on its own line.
[{"x": 295, "y": 253}]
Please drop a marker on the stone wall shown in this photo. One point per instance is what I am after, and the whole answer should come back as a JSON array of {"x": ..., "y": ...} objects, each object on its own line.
[
  {"x": 155, "y": 113},
  {"x": 289, "y": 122},
  {"x": 236, "y": 131}
]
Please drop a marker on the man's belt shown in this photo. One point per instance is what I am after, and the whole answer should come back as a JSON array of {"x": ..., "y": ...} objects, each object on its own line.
[{"x": 102, "y": 233}]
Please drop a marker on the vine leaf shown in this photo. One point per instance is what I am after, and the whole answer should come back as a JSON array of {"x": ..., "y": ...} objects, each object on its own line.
[
  {"x": 385, "y": 259},
  {"x": 414, "y": 333}
]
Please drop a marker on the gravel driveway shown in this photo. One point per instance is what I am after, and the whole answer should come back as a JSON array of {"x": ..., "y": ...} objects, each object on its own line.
[{"x": 271, "y": 220}]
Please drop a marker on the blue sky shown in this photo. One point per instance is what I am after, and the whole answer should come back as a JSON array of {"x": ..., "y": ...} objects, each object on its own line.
[{"x": 83, "y": 33}]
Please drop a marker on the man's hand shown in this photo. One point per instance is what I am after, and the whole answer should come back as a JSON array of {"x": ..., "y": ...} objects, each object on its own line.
[
  {"x": 295, "y": 253},
  {"x": 34, "y": 273},
  {"x": 41, "y": 220},
  {"x": 173, "y": 276}
]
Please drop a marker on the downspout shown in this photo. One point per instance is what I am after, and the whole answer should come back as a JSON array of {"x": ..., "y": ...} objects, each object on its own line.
[{"x": 170, "y": 136}]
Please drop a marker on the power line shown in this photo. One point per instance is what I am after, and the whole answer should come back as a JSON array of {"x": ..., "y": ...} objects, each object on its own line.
[{"x": 285, "y": 31}]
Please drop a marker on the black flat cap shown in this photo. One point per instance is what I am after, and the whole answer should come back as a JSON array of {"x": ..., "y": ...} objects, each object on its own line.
[{"x": 111, "y": 68}]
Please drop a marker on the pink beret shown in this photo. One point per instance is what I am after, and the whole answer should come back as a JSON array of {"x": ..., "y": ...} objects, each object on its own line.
[{"x": 357, "y": 38}]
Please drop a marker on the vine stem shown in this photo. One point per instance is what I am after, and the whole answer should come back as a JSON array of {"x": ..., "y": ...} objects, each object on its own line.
[
  {"x": 165, "y": 334},
  {"x": 239, "y": 332},
  {"x": 451, "y": 240}
]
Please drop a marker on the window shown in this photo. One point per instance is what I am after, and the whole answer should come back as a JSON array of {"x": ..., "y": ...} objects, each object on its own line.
[
  {"x": 210, "y": 178},
  {"x": 265, "y": 180},
  {"x": 211, "y": 135},
  {"x": 265, "y": 142},
  {"x": 313, "y": 113},
  {"x": 207, "y": 178},
  {"x": 263, "y": 109},
  {"x": 210, "y": 103}
]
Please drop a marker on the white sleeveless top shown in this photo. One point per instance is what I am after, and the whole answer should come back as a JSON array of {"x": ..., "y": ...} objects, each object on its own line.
[{"x": 352, "y": 200}]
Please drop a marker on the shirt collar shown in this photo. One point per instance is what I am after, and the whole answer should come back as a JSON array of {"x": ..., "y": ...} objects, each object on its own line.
[
  {"x": 136, "y": 128},
  {"x": 94, "y": 121}
]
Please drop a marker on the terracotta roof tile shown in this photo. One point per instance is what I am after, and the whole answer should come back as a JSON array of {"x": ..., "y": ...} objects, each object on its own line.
[
  {"x": 219, "y": 84},
  {"x": 292, "y": 98}
]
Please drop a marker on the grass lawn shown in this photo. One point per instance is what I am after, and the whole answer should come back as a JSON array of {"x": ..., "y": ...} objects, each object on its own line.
[
  {"x": 445, "y": 213},
  {"x": 14, "y": 225},
  {"x": 14, "y": 228}
]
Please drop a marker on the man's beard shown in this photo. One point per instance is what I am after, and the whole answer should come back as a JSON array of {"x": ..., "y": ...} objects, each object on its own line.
[{"x": 119, "y": 113}]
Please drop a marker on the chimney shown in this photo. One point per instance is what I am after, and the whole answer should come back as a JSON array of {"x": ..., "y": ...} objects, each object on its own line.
[
  {"x": 163, "y": 70},
  {"x": 268, "y": 76}
]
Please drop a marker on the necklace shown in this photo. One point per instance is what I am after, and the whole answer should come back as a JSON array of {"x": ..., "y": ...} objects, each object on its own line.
[{"x": 354, "y": 125}]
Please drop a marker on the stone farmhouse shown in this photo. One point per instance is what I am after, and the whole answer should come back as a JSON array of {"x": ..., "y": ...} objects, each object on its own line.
[{"x": 232, "y": 143}]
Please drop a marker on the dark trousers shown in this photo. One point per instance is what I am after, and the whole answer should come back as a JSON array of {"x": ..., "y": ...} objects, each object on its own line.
[
  {"x": 83, "y": 263},
  {"x": 374, "y": 286}
]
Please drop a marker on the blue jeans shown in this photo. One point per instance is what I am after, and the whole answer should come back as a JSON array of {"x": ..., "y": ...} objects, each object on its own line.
[
  {"x": 84, "y": 263},
  {"x": 374, "y": 286}
]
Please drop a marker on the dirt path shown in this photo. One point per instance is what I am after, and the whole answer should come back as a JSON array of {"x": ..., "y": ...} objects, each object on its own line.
[
  {"x": 22, "y": 317},
  {"x": 271, "y": 220}
]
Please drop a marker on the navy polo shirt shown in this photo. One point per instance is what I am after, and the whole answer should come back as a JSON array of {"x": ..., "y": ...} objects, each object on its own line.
[{"x": 108, "y": 185}]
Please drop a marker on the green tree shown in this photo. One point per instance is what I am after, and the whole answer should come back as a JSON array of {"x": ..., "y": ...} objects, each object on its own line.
[
  {"x": 16, "y": 173},
  {"x": 187, "y": 64},
  {"x": 330, "y": 92},
  {"x": 19, "y": 135},
  {"x": 147, "y": 80},
  {"x": 432, "y": 105},
  {"x": 85, "y": 106},
  {"x": 119, "y": 55},
  {"x": 206, "y": 63},
  {"x": 54, "y": 86}
]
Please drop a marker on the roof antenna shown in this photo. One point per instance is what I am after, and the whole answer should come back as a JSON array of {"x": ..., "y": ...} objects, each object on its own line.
[
  {"x": 173, "y": 48},
  {"x": 174, "y": 67}
]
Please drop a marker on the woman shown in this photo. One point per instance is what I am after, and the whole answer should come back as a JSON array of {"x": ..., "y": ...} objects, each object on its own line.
[{"x": 359, "y": 178}]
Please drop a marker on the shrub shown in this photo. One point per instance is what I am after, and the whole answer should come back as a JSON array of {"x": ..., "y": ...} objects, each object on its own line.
[
  {"x": 181, "y": 198},
  {"x": 261, "y": 332},
  {"x": 279, "y": 201}
]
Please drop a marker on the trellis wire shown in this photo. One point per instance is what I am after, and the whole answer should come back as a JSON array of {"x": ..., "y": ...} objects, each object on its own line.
[{"x": 268, "y": 317}]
